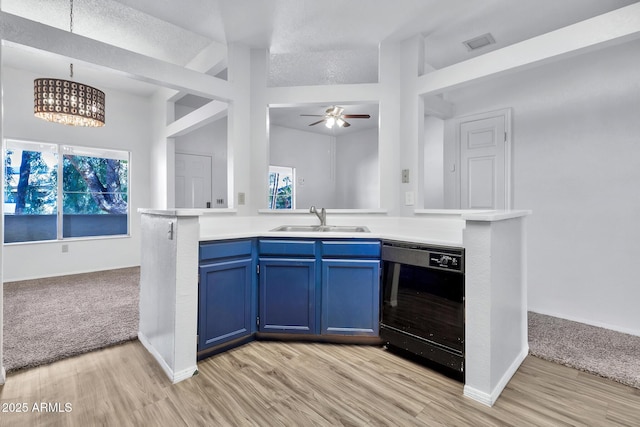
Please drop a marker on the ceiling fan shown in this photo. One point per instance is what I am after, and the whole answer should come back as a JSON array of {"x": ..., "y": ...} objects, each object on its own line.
[{"x": 334, "y": 116}]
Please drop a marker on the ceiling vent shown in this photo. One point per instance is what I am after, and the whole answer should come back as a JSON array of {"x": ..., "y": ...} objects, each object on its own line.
[{"x": 479, "y": 42}]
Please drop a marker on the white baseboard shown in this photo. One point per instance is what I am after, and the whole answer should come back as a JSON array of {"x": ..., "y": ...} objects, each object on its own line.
[
  {"x": 3, "y": 375},
  {"x": 490, "y": 399},
  {"x": 175, "y": 377}
]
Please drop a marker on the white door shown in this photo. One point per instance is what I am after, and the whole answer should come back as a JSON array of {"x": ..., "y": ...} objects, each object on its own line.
[
  {"x": 193, "y": 181},
  {"x": 485, "y": 161}
]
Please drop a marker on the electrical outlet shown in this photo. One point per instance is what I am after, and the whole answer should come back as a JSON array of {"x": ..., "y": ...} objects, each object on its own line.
[
  {"x": 408, "y": 198},
  {"x": 65, "y": 249},
  {"x": 241, "y": 200}
]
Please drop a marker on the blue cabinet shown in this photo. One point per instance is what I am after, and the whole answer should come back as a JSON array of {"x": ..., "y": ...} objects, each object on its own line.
[
  {"x": 226, "y": 305},
  {"x": 303, "y": 286},
  {"x": 350, "y": 297},
  {"x": 350, "y": 287},
  {"x": 287, "y": 295},
  {"x": 288, "y": 282},
  {"x": 311, "y": 286}
]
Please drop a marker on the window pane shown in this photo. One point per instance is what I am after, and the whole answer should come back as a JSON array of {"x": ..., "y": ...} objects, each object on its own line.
[
  {"x": 95, "y": 194},
  {"x": 281, "y": 188},
  {"x": 30, "y": 191}
]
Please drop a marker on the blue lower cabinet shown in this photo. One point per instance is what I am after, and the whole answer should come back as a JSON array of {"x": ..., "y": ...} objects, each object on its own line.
[
  {"x": 350, "y": 297},
  {"x": 287, "y": 295},
  {"x": 224, "y": 306}
]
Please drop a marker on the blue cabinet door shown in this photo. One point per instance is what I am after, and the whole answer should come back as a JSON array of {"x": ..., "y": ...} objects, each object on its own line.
[
  {"x": 350, "y": 297},
  {"x": 224, "y": 302},
  {"x": 287, "y": 295}
]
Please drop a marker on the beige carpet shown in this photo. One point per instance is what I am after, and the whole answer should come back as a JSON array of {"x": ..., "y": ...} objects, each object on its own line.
[
  {"x": 49, "y": 319},
  {"x": 600, "y": 351}
]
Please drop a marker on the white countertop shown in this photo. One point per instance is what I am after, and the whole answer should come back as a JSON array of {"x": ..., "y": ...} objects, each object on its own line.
[{"x": 436, "y": 227}]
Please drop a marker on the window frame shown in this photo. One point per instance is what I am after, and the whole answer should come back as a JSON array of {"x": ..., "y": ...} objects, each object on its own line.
[{"x": 62, "y": 150}]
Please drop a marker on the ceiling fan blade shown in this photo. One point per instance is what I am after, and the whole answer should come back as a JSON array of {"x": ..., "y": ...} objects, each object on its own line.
[
  {"x": 356, "y": 116},
  {"x": 315, "y": 123},
  {"x": 312, "y": 115},
  {"x": 346, "y": 125}
]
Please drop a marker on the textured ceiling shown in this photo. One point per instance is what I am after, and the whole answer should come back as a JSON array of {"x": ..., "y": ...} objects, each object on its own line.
[{"x": 300, "y": 34}]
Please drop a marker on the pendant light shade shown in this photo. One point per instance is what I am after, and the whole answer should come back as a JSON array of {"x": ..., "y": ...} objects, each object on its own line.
[{"x": 68, "y": 102}]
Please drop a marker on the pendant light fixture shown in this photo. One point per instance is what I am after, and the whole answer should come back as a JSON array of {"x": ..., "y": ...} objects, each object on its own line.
[{"x": 68, "y": 102}]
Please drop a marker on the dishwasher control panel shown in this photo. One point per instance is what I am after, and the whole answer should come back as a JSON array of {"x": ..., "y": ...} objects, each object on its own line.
[{"x": 445, "y": 260}]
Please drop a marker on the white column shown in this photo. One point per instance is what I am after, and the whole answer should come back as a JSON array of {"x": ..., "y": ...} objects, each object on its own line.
[
  {"x": 495, "y": 304},
  {"x": 239, "y": 130},
  {"x": 411, "y": 126},
  {"x": 389, "y": 141},
  {"x": 259, "y": 129},
  {"x": 169, "y": 292}
]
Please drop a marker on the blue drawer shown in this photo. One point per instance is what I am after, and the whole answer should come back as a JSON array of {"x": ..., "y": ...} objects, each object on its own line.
[
  {"x": 237, "y": 248},
  {"x": 342, "y": 248},
  {"x": 306, "y": 248}
]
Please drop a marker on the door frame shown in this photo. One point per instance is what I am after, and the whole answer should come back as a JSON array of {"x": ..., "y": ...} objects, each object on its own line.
[{"x": 507, "y": 113}]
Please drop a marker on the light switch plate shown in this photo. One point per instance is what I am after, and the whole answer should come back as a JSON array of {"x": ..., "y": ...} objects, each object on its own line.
[
  {"x": 241, "y": 199},
  {"x": 405, "y": 176}
]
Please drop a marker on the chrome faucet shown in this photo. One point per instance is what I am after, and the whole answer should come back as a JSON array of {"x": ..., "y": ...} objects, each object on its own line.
[{"x": 322, "y": 215}]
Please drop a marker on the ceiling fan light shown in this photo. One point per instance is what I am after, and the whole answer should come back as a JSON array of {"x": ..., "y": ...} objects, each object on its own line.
[
  {"x": 330, "y": 122},
  {"x": 333, "y": 111},
  {"x": 340, "y": 122}
]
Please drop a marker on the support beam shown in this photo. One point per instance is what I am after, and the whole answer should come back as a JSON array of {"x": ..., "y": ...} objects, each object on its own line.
[
  {"x": 347, "y": 93},
  {"x": 31, "y": 34},
  {"x": 204, "y": 115},
  {"x": 438, "y": 107},
  {"x": 611, "y": 28},
  {"x": 211, "y": 60}
]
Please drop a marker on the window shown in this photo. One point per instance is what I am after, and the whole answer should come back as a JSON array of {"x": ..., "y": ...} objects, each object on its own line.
[
  {"x": 281, "y": 188},
  {"x": 92, "y": 191}
]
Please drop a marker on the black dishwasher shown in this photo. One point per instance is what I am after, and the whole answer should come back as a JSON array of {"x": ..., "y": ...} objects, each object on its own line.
[{"x": 423, "y": 303}]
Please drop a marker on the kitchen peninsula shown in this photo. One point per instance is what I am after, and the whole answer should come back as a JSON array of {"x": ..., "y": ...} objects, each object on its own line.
[{"x": 494, "y": 242}]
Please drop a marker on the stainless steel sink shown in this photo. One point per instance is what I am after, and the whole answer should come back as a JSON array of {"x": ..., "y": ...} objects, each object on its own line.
[{"x": 322, "y": 228}]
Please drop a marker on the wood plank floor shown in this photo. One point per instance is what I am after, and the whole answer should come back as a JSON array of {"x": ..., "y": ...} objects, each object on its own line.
[{"x": 302, "y": 384}]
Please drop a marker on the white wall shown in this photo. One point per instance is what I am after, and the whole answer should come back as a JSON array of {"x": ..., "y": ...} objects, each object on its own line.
[
  {"x": 331, "y": 172},
  {"x": 357, "y": 170},
  {"x": 127, "y": 128},
  {"x": 209, "y": 140},
  {"x": 576, "y": 143},
  {"x": 312, "y": 155}
]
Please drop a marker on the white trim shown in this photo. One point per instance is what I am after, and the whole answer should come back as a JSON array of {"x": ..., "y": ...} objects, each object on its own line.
[
  {"x": 184, "y": 374},
  {"x": 490, "y": 399},
  {"x": 175, "y": 377},
  {"x": 3, "y": 375}
]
